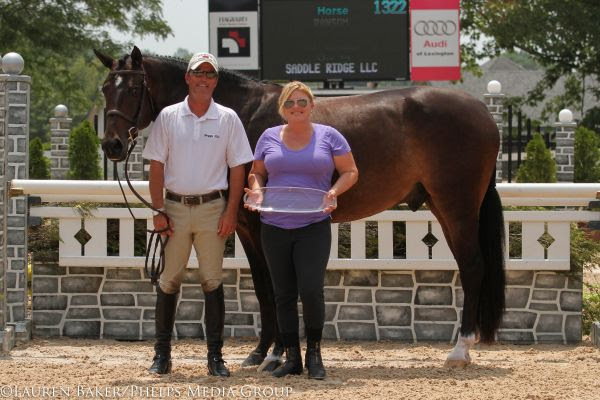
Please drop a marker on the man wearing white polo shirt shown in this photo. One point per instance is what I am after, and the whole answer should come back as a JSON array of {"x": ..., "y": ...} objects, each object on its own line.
[{"x": 192, "y": 146}]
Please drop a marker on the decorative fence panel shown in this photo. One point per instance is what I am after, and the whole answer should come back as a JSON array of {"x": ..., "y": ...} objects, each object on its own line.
[{"x": 413, "y": 296}]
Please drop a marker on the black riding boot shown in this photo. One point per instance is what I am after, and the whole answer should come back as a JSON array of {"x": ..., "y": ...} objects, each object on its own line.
[
  {"x": 164, "y": 318},
  {"x": 293, "y": 359},
  {"x": 214, "y": 320},
  {"x": 313, "y": 360}
]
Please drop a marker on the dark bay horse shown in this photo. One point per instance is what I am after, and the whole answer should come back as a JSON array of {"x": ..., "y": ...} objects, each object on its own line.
[{"x": 415, "y": 145}]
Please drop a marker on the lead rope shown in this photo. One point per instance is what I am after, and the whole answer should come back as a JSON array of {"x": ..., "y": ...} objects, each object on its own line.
[{"x": 156, "y": 242}]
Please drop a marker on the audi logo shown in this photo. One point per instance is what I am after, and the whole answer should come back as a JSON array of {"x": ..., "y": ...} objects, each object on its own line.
[{"x": 435, "y": 28}]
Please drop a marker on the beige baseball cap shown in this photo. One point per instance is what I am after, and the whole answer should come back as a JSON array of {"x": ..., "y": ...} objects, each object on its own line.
[{"x": 200, "y": 58}]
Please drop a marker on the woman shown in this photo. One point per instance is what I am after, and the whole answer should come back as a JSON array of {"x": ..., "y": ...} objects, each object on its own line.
[{"x": 296, "y": 246}]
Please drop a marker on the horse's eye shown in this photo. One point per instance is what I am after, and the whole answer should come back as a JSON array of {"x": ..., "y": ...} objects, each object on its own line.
[{"x": 133, "y": 91}]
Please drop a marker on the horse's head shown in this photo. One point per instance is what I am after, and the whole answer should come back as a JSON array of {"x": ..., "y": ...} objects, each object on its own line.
[{"x": 128, "y": 101}]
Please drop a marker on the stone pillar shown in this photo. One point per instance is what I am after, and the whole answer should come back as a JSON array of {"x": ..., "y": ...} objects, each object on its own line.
[
  {"x": 60, "y": 126},
  {"x": 2, "y": 262},
  {"x": 14, "y": 139},
  {"x": 494, "y": 101},
  {"x": 565, "y": 146},
  {"x": 135, "y": 166}
]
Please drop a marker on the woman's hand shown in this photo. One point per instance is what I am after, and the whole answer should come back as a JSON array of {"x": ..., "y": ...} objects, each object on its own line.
[
  {"x": 330, "y": 201},
  {"x": 254, "y": 199}
]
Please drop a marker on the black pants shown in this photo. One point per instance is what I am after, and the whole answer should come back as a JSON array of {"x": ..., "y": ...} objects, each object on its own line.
[{"x": 297, "y": 259}]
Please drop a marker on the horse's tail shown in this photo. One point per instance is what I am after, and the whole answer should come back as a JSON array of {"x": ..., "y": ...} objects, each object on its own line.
[{"x": 491, "y": 240}]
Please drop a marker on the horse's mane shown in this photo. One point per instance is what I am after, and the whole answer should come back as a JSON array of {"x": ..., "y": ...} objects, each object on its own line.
[{"x": 227, "y": 75}]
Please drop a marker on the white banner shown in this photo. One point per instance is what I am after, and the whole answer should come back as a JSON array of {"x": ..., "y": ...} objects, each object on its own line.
[
  {"x": 234, "y": 39},
  {"x": 435, "y": 38}
]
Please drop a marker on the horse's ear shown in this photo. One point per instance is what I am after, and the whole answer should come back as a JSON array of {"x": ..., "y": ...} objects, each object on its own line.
[
  {"x": 108, "y": 61},
  {"x": 136, "y": 57}
]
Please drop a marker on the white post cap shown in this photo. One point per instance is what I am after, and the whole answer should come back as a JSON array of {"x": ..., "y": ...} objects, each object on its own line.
[
  {"x": 494, "y": 87},
  {"x": 565, "y": 116},
  {"x": 12, "y": 63},
  {"x": 61, "y": 111}
]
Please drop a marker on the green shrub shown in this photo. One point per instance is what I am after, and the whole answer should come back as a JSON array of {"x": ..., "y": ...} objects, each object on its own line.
[
  {"x": 585, "y": 256},
  {"x": 587, "y": 155},
  {"x": 42, "y": 240},
  {"x": 591, "y": 119},
  {"x": 539, "y": 167},
  {"x": 83, "y": 152},
  {"x": 591, "y": 307},
  {"x": 39, "y": 166},
  {"x": 585, "y": 251}
]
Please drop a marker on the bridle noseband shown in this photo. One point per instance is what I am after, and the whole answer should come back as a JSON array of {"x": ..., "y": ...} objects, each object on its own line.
[{"x": 155, "y": 241}]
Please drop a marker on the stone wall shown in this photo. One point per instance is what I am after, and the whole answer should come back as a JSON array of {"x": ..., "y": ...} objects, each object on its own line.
[{"x": 368, "y": 305}]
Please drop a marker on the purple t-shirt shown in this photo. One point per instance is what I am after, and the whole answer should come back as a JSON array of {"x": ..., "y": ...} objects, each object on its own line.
[{"x": 311, "y": 167}]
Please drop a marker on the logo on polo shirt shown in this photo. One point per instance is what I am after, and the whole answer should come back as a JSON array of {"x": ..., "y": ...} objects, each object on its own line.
[{"x": 211, "y": 135}]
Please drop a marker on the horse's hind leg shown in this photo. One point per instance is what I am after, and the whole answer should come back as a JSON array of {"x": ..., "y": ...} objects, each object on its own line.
[{"x": 461, "y": 231}]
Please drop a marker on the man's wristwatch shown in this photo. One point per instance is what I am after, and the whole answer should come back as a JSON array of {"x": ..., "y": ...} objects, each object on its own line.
[{"x": 155, "y": 213}]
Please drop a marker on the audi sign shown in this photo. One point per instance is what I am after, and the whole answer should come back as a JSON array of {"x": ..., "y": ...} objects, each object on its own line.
[
  {"x": 334, "y": 39},
  {"x": 435, "y": 48}
]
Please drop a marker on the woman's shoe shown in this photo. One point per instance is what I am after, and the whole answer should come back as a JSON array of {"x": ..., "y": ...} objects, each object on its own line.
[
  {"x": 314, "y": 362},
  {"x": 292, "y": 364}
]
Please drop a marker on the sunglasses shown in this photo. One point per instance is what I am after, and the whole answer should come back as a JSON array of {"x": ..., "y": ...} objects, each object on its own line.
[
  {"x": 206, "y": 74},
  {"x": 300, "y": 102}
]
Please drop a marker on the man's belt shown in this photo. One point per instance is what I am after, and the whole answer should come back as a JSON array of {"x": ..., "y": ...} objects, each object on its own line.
[{"x": 193, "y": 200}]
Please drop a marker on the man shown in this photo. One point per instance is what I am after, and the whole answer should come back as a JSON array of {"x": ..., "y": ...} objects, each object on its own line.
[{"x": 191, "y": 146}]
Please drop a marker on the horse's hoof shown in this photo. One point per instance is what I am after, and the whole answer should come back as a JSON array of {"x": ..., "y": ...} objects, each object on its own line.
[
  {"x": 456, "y": 363},
  {"x": 271, "y": 363},
  {"x": 254, "y": 358},
  {"x": 269, "y": 366}
]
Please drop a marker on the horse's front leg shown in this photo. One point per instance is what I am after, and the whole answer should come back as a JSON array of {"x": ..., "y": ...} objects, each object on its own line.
[{"x": 249, "y": 234}]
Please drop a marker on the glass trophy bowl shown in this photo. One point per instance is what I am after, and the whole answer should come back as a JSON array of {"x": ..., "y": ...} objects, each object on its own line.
[{"x": 287, "y": 200}]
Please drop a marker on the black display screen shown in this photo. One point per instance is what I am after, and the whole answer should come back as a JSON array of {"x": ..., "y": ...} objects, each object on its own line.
[{"x": 334, "y": 39}]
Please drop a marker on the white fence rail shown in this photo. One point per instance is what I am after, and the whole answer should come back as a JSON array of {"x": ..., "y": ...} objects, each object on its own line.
[{"x": 419, "y": 256}]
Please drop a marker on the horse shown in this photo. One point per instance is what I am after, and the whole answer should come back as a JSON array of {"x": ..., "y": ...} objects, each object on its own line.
[{"x": 416, "y": 145}]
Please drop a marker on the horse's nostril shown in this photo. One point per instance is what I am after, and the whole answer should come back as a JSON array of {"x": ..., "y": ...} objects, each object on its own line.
[{"x": 113, "y": 148}]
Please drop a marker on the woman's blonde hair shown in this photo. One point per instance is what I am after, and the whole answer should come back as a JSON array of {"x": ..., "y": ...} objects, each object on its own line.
[{"x": 287, "y": 91}]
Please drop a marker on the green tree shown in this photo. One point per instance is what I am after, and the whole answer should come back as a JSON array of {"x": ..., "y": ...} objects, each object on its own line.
[
  {"x": 523, "y": 59},
  {"x": 561, "y": 35},
  {"x": 539, "y": 167},
  {"x": 591, "y": 119},
  {"x": 587, "y": 155},
  {"x": 83, "y": 152},
  {"x": 182, "y": 53},
  {"x": 56, "y": 39},
  {"x": 39, "y": 166}
]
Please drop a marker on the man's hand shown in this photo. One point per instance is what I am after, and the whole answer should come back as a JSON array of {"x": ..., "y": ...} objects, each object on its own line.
[
  {"x": 161, "y": 222},
  {"x": 227, "y": 223}
]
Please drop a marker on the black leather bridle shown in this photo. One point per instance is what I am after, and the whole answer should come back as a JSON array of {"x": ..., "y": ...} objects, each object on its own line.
[{"x": 156, "y": 241}]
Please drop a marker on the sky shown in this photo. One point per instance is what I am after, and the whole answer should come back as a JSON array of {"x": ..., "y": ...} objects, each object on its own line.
[{"x": 189, "y": 21}]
